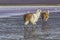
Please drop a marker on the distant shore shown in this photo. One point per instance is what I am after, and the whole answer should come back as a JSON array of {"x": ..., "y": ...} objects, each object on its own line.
[{"x": 29, "y": 4}]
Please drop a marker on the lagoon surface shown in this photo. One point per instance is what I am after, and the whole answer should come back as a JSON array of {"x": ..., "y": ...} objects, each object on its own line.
[{"x": 12, "y": 28}]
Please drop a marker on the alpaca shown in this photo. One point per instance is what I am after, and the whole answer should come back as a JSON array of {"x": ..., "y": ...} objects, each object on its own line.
[
  {"x": 45, "y": 15},
  {"x": 33, "y": 18}
]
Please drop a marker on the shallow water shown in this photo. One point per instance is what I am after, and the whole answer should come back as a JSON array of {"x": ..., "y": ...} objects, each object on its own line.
[{"x": 12, "y": 28}]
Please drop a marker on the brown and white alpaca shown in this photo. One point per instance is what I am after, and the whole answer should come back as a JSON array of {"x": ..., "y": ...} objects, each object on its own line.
[
  {"x": 33, "y": 18},
  {"x": 45, "y": 15}
]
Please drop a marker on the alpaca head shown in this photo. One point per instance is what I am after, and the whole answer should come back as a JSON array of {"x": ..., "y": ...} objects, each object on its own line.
[
  {"x": 47, "y": 11},
  {"x": 38, "y": 11}
]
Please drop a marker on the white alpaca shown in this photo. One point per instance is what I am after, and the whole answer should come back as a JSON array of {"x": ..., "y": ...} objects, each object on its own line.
[{"x": 33, "y": 18}]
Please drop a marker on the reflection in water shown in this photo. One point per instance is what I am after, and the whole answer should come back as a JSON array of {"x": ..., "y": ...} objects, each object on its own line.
[
  {"x": 45, "y": 26},
  {"x": 29, "y": 33},
  {"x": 45, "y": 29}
]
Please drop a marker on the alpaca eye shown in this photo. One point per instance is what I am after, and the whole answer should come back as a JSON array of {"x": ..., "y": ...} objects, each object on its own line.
[{"x": 39, "y": 10}]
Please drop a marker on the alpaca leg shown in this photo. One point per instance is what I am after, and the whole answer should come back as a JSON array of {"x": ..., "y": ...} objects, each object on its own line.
[
  {"x": 26, "y": 23},
  {"x": 46, "y": 19},
  {"x": 33, "y": 22},
  {"x": 33, "y": 26}
]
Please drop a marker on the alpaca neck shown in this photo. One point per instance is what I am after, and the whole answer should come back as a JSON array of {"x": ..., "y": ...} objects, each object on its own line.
[{"x": 37, "y": 14}]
